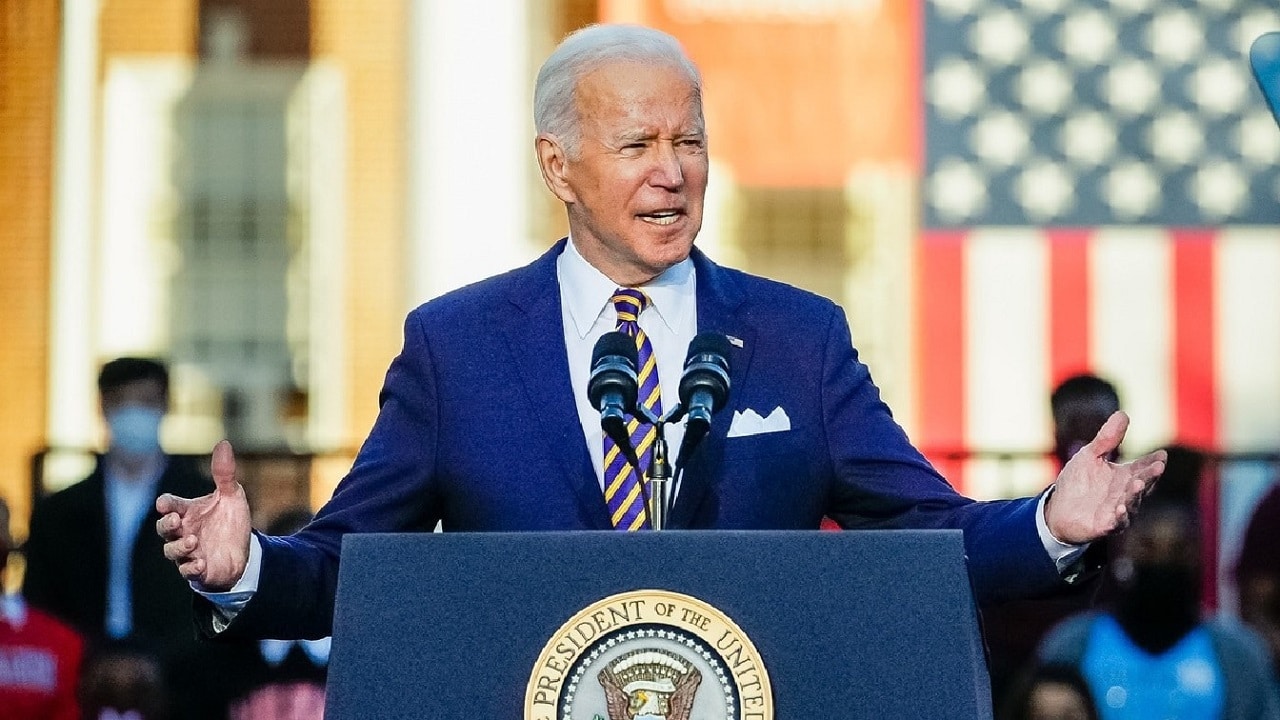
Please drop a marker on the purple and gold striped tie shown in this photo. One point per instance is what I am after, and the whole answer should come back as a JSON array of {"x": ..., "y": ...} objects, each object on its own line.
[{"x": 621, "y": 484}]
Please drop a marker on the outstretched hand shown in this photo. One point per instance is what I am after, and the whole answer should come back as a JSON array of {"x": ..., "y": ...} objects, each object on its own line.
[
  {"x": 1094, "y": 497},
  {"x": 208, "y": 537}
]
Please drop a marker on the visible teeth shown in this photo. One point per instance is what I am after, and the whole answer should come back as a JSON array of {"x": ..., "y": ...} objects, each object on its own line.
[{"x": 659, "y": 219}]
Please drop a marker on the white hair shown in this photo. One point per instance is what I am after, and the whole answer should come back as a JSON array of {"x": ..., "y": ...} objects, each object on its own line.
[{"x": 555, "y": 110}]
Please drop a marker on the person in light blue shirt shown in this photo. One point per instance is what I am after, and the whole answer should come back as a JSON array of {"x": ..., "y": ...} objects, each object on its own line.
[
  {"x": 1152, "y": 655},
  {"x": 92, "y": 560}
]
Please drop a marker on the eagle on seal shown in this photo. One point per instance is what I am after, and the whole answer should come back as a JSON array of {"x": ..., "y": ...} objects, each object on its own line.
[{"x": 650, "y": 701}]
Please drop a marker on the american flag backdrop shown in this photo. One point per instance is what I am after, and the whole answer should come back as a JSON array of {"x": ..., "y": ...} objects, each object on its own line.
[
  {"x": 1101, "y": 192},
  {"x": 1034, "y": 188}
]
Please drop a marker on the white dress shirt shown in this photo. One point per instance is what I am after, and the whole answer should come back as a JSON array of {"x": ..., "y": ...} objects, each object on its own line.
[
  {"x": 128, "y": 501},
  {"x": 670, "y": 321}
]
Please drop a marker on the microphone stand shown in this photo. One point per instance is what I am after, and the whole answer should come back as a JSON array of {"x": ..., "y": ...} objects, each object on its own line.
[{"x": 658, "y": 482}]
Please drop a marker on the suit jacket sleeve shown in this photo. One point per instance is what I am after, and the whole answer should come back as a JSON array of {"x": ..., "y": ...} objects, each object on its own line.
[
  {"x": 882, "y": 481},
  {"x": 388, "y": 489},
  {"x": 39, "y": 581}
]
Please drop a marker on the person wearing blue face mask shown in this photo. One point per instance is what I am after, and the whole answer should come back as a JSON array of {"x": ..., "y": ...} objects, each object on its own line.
[{"x": 91, "y": 559}]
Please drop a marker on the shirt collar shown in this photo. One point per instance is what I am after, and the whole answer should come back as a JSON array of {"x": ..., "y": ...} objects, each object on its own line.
[
  {"x": 587, "y": 291},
  {"x": 124, "y": 486}
]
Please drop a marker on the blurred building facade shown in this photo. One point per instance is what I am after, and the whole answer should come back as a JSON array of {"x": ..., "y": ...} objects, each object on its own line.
[
  {"x": 258, "y": 190},
  {"x": 224, "y": 184}
]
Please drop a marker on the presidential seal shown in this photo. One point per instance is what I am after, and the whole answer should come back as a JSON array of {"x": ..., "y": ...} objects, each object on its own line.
[{"x": 649, "y": 655}]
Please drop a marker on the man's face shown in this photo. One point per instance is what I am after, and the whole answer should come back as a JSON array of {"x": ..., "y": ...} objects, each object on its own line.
[
  {"x": 1158, "y": 577},
  {"x": 1163, "y": 538},
  {"x": 634, "y": 190},
  {"x": 1077, "y": 423},
  {"x": 133, "y": 412}
]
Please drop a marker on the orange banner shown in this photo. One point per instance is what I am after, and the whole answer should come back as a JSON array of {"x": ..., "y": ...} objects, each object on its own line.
[{"x": 798, "y": 97}]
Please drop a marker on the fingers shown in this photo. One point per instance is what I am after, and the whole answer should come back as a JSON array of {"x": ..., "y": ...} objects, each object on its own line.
[
  {"x": 1123, "y": 518},
  {"x": 1109, "y": 435},
  {"x": 170, "y": 503},
  {"x": 180, "y": 550},
  {"x": 1147, "y": 470},
  {"x": 1151, "y": 463},
  {"x": 192, "y": 571},
  {"x": 1151, "y": 474},
  {"x": 223, "y": 466},
  {"x": 1142, "y": 478},
  {"x": 169, "y": 526}
]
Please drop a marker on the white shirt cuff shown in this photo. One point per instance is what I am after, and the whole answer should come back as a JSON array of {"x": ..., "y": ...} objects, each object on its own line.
[
  {"x": 1063, "y": 554},
  {"x": 228, "y": 604}
]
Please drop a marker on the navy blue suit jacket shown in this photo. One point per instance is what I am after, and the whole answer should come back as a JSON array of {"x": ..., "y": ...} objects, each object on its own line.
[{"x": 478, "y": 429}]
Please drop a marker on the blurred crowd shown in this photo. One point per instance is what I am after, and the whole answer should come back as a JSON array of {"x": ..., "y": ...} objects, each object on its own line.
[
  {"x": 102, "y": 628},
  {"x": 1138, "y": 640}
]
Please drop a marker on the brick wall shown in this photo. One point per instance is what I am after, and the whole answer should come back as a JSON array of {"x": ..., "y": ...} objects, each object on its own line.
[
  {"x": 371, "y": 51},
  {"x": 28, "y": 64},
  {"x": 146, "y": 27}
]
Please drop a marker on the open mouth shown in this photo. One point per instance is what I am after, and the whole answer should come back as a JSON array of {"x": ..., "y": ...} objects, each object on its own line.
[{"x": 661, "y": 217}]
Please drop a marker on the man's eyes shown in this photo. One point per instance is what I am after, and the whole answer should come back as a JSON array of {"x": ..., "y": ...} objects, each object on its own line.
[{"x": 639, "y": 145}]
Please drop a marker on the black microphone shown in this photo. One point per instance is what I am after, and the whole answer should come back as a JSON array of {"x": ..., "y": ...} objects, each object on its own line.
[
  {"x": 613, "y": 387},
  {"x": 704, "y": 388}
]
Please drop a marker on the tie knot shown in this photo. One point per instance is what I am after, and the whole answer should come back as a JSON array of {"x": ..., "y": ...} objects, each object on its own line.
[{"x": 629, "y": 303}]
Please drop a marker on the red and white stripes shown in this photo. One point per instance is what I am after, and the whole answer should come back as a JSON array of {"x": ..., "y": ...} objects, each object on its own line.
[{"x": 1185, "y": 322}]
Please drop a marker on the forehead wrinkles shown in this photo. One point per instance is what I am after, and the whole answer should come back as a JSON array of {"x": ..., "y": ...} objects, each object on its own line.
[
  {"x": 642, "y": 121},
  {"x": 637, "y": 105}
]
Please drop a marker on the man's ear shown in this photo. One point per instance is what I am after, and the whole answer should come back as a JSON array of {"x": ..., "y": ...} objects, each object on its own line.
[{"x": 552, "y": 162}]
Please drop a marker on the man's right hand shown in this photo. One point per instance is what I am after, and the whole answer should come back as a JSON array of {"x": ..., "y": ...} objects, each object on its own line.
[{"x": 208, "y": 537}]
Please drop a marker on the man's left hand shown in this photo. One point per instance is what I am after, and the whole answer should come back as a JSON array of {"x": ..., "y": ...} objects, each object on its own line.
[{"x": 1094, "y": 497}]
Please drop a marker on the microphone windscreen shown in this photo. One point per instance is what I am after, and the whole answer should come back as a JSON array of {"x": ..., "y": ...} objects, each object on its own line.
[
  {"x": 709, "y": 343},
  {"x": 615, "y": 343}
]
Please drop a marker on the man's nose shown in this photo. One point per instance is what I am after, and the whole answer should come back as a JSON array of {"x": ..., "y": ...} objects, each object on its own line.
[{"x": 666, "y": 172}]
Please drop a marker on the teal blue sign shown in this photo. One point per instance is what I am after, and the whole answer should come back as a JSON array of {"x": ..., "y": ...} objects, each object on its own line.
[{"x": 1264, "y": 56}]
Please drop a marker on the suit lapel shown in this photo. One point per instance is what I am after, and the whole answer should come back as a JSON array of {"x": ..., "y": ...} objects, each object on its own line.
[
  {"x": 535, "y": 333},
  {"x": 95, "y": 571},
  {"x": 719, "y": 301}
]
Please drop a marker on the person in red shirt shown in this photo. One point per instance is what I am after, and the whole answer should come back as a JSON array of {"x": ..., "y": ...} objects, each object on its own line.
[{"x": 39, "y": 655}]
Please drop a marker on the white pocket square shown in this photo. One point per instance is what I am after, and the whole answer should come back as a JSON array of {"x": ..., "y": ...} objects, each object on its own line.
[{"x": 748, "y": 422}]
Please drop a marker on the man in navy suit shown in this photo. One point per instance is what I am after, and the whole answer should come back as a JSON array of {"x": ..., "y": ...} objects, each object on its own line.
[{"x": 485, "y": 423}]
